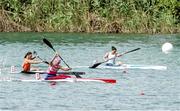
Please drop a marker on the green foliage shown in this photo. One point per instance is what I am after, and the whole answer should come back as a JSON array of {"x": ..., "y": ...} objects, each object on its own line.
[{"x": 128, "y": 16}]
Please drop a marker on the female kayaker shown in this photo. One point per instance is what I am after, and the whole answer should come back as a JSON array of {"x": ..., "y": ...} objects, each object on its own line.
[
  {"x": 53, "y": 68},
  {"x": 28, "y": 60},
  {"x": 110, "y": 57}
]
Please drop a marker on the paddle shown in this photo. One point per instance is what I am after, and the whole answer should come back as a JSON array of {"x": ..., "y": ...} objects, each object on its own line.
[
  {"x": 97, "y": 64},
  {"x": 35, "y": 53},
  {"x": 50, "y": 45}
]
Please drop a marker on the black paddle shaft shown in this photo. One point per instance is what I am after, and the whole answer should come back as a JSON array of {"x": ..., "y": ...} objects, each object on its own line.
[
  {"x": 131, "y": 51},
  {"x": 34, "y": 52},
  {"x": 50, "y": 45}
]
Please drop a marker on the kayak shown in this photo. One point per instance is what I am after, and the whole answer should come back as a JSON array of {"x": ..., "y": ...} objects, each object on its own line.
[
  {"x": 44, "y": 72},
  {"x": 128, "y": 66},
  {"x": 62, "y": 78},
  {"x": 66, "y": 80},
  {"x": 59, "y": 77}
]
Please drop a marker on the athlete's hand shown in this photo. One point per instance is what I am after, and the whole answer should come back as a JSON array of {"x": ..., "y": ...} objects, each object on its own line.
[
  {"x": 57, "y": 53},
  {"x": 69, "y": 68},
  {"x": 119, "y": 55}
]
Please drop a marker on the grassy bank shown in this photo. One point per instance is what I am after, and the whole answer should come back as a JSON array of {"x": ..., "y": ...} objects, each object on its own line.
[{"x": 112, "y": 16}]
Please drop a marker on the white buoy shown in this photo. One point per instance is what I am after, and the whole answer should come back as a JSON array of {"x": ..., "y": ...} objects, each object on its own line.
[{"x": 167, "y": 47}]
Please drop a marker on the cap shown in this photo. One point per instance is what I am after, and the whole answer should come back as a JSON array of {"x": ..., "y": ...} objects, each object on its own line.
[{"x": 114, "y": 48}]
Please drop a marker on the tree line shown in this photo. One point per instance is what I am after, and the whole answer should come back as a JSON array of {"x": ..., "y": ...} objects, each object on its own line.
[{"x": 107, "y": 16}]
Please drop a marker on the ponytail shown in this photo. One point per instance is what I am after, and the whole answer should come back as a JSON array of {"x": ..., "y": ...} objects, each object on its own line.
[{"x": 28, "y": 53}]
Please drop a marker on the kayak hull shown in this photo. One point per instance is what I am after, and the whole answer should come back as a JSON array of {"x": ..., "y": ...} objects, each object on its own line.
[
  {"x": 63, "y": 78},
  {"x": 153, "y": 67},
  {"x": 44, "y": 72},
  {"x": 128, "y": 66},
  {"x": 100, "y": 80}
]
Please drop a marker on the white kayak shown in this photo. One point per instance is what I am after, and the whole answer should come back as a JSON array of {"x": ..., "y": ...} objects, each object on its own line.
[
  {"x": 154, "y": 67},
  {"x": 128, "y": 66}
]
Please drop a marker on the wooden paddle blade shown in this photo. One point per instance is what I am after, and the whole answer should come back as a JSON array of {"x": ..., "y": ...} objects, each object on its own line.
[
  {"x": 49, "y": 44},
  {"x": 95, "y": 65}
]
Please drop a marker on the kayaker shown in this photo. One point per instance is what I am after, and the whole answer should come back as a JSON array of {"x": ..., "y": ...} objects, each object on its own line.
[
  {"x": 110, "y": 57},
  {"x": 54, "y": 66},
  {"x": 28, "y": 60}
]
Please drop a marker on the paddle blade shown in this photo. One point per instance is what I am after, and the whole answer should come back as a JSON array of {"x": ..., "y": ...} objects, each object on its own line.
[
  {"x": 46, "y": 62},
  {"x": 49, "y": 44},
  {"x": 95, "y": 65},
  {"x": 34, "y": 52}
]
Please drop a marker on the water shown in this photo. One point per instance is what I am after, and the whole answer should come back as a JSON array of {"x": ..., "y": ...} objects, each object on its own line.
[{"x": 135, "y": 90}]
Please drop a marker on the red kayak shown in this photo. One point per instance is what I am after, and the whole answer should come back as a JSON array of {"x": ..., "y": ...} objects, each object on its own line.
[{"x": 61, "y": 77}]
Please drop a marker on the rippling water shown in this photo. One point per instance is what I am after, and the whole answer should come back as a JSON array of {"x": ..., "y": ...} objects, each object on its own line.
[{"x": 135, "y": 90}]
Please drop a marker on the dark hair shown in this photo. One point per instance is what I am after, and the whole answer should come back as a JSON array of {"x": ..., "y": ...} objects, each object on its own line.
[
  {"x": 113, "y": 48},
  {"x": 28, "y": 53}
]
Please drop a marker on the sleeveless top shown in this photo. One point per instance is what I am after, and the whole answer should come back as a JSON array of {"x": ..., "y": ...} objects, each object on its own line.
[
  {"x": 53, "y": 69},
  {"x": 26, "y": 67},
  {"x": 111, "y": 61}
]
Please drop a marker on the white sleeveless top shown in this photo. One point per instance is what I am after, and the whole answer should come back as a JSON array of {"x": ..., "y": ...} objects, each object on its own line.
[{"x": 111, "y": 61}]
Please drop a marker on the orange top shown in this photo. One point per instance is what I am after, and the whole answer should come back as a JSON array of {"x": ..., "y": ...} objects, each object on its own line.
[{"x": 26, "y": 67}]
